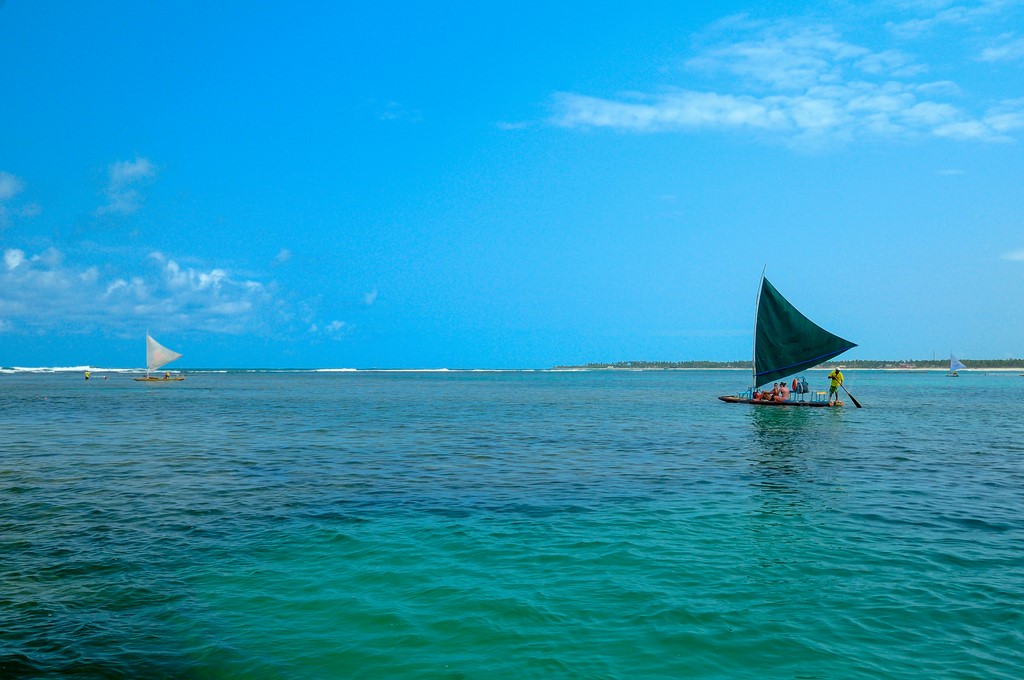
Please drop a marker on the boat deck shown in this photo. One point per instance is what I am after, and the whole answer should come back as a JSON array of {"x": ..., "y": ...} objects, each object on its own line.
[{"x": 758, "y": 402}]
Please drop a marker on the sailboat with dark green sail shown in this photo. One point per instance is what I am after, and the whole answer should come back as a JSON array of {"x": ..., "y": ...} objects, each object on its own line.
[{"x": 785, "y": 343}]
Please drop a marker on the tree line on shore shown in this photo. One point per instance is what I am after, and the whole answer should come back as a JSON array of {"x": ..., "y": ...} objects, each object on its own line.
[{"x": 853, "y": 363}]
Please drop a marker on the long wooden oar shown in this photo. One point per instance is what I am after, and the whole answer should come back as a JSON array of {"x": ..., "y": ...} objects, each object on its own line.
[{"x": 855, "y": 402}]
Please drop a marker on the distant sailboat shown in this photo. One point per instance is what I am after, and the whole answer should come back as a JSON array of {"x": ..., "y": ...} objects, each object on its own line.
[
  {"x": 954, "y": 366},
  {"x": 786, "y": 342},
  {"x": 156, "y": 356}
]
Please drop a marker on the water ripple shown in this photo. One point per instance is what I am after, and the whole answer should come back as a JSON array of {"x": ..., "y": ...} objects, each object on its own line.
[{"x": 544, "y": 524}]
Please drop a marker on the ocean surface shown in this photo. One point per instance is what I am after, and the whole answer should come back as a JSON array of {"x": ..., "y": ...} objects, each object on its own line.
[{"x": 509, "y": 525}]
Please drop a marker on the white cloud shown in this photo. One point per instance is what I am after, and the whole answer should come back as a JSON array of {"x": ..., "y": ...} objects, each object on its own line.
[
  {"x": 44, "y": 291},
  {"x": 90, "y": 275},
  {"x": 674, "y": 111},
  {"x": 935, "y": 15},
  {"x": 123, "y": 173},
  {"x": 1011, "y": 50},
  {"x": 392, "y": 111},
  {"x": 788, "y": 57},
  {"x": 1008, "y": 116},
  {"x": 842, "y": 112},
  {"x": 1015, "y": 255},
  {"x": 938, "y": 88},
  {"x": 336, "y": 329},
  {"x": 968, "y": 129},
  {"x": 123, "y": 179},
  {"x": 333, "y": 330},
  {"x": 50, "y": 258},
  {"x": 189, "y": 279},
  {"x": 803, "y": 84},
  {"x": 13, "y": 258},
  {"x": 370, "y": 297},
  {"x": 10, "y": 186},
  {"x": 890, "y": 61},
  {"x": 283, "y": 256}
]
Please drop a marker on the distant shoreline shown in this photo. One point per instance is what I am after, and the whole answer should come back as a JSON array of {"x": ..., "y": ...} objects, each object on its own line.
[
  {"x": 852, "y": 365},
  {"x": 974, "y": 369}
]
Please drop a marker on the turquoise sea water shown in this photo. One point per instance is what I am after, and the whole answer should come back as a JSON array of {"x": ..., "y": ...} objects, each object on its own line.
[{"x": 509, "y": 524}]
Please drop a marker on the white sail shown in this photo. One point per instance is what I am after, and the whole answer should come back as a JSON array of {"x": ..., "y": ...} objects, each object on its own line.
[
  {"x": 954, "y": 363},
  {"x": 157, "y": 355}
]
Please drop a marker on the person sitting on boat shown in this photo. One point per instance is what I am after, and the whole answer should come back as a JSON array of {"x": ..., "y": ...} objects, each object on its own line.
[
  {"x": 836, "y": 376},
  {"x": 167, "y": 375},
  {"x": 783, "y": 394}
]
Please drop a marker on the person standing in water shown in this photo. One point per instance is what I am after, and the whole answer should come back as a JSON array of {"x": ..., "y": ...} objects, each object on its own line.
[{"x": 836, "y": 378}]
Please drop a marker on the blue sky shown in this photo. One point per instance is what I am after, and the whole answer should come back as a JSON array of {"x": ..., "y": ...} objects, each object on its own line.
[{"x": 506, "y": 184}]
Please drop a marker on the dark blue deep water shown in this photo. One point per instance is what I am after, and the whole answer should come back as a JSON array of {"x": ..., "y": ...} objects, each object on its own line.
[{"x": 509, "y": 524}]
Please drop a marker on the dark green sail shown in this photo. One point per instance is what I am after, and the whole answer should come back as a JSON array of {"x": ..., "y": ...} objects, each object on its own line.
[{"x": 786, "y": 341}]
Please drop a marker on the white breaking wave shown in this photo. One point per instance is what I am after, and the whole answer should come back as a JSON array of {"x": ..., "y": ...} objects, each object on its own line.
[{"x": 67, "y": 369}]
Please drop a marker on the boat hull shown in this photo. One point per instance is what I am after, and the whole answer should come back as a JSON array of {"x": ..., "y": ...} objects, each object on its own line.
[
  {"x": 175, "y": 379},
  {"x": 758, "y": 402}
]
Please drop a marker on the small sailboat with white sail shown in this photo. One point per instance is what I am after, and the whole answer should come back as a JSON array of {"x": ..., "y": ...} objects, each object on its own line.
[
  {"x": 785, "y": 343},
  {"x": 157, "y": 356},
  {"x": 954, "y": 366}
]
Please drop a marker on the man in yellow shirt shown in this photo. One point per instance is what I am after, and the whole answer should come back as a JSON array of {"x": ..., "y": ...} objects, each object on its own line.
[{"x": 836, "y": 376}]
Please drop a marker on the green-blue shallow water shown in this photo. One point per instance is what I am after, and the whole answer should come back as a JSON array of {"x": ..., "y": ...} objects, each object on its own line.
[{"x": 509, "y": 524}]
